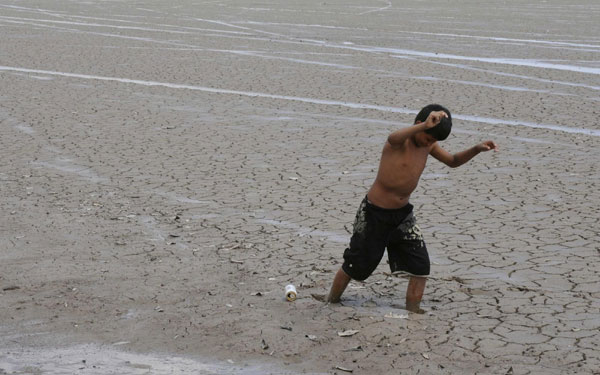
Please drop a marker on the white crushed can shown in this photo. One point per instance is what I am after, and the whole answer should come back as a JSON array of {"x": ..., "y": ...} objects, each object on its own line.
[{"x": 290, "y": 293}]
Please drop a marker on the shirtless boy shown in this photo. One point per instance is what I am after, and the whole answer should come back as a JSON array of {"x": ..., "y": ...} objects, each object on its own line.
[{"x": 385, "y": 218}]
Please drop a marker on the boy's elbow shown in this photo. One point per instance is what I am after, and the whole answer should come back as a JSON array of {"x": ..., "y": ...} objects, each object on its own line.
[{"x": 454, "y": 163}]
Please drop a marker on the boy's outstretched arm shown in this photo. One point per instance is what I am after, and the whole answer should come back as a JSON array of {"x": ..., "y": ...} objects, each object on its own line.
[{"x": 462, "y": 157}]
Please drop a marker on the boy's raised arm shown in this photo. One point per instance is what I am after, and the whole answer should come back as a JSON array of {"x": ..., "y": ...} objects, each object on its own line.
[
  {"x": 462, "y": 157},
  {"x": 398, "y": 137}
]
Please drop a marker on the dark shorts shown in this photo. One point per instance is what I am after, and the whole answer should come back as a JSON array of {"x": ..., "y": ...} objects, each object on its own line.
[{"x": 375, "y": 229}]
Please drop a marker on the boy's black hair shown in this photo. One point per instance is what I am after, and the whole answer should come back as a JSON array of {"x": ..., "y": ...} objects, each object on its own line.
[{"x": 442, "y": 130}]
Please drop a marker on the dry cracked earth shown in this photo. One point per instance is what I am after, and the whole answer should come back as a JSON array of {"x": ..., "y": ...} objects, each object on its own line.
[{"x": 168, "y": 168}]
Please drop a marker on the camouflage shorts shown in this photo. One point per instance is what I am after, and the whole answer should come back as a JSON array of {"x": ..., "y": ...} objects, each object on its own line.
[{"x": 377, "y": 229}]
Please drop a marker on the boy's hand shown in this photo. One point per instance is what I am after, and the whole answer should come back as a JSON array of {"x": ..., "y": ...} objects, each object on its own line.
[
  {"x": 434, "y": 118},
  {"x": 487, "y": 146}
]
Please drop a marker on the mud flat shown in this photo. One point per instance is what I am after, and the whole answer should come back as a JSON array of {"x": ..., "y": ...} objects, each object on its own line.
[{"x": 168, "y": 167}]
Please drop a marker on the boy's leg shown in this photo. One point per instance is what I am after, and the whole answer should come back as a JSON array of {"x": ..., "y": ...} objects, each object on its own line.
[
  {"x": 414, "y": 294},
  {"x": 340, "y": 282}
]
